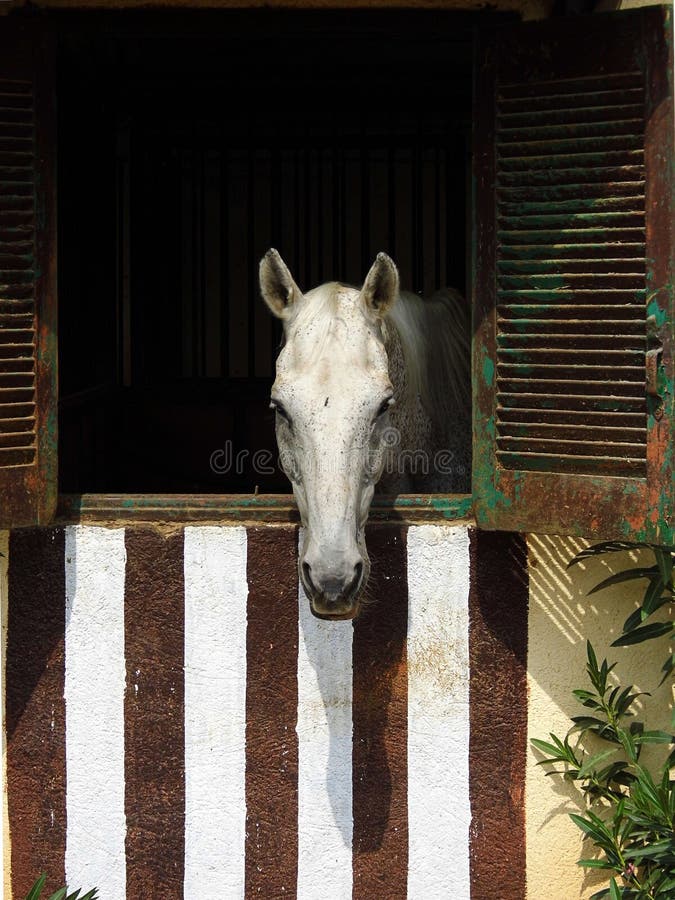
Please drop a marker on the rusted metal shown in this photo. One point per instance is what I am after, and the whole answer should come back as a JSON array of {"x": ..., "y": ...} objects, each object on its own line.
[
  {"x": 28, "y": 358},
  {"x": 270, "y": 508},
  {"x": 573, "y": 252}
]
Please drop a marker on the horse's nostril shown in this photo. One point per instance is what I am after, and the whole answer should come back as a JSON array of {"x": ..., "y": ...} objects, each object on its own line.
[
  {"x": 307, "y": 577},
  {"x": 358, "y": 574}
]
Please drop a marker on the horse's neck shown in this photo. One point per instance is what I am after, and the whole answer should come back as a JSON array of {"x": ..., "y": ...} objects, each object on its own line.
[
  {"x": 427, "y": 344},
  {"x": 410, "y": 415}
]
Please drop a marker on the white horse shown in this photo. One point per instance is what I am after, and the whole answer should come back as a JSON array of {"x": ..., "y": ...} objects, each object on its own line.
[{"x": 371, "y": 385}]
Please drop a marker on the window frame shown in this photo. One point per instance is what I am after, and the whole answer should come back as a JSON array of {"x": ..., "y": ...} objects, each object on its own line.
[{"x": 493, "y": 507}]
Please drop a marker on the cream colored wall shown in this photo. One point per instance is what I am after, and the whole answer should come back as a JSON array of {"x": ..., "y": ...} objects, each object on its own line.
[{"x": 561, "y": 618}]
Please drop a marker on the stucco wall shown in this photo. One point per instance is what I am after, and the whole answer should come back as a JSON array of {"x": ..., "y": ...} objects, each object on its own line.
[
  {"x": 176, "y": 718},
  {"x": 213, "y": 732}
]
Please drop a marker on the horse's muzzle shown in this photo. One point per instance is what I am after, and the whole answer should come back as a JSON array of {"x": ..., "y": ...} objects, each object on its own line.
[
  {"x": 330, "y": 611},
  {"x": 333, "y": 595}
]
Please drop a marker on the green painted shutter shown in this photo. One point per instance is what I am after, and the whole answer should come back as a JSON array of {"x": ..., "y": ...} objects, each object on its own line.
[
  {"x": 573, "y": 276},
  {"x": 28, "y": 404}
]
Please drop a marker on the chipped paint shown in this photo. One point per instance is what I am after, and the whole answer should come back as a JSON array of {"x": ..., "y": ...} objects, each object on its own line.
[{"x": 537, "y": 226}]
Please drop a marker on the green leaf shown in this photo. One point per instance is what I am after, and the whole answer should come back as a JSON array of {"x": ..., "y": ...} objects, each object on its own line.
[
  {"x": 594, "y": 864},
  {"x": 646, "y": 783},
  {"x": 570, "y": 774},
  {"x": 614, "y": 892},
  {"x": 600, "y": 895},
  {"x": 594, "y": 828},
  {"x": 36, "y": 890},
  {"x": 545, "y": 747},
  {"x": 646, "y": 633},
  {"x": 633, "y": 620},
  {"x": 592, "y": 658},
  {"x": 61, "y": 894},
  {"x": 597, "y": 726},
  {"x": 667, "y": 667},
  {"x": 664, "y": 561},
  {"x": 628, "y": 744},
  {"x": 652, "y": 850},
  {"x": 626, "y": 699},
  {"x": 605, "y": 547},
  {"x": 652, "y": 597},
  {"x": 626, "y": 575},
  {"x": 591, "y": 763},
  {"x": 585, "y": 695},
  {"x": 655, "y": 737}
]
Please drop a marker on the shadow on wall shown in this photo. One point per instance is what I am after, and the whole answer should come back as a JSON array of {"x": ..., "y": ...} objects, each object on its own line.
[
  {"x": 354, "y": 678},
  {"x": 325, "y": 656},
  {"x": 562, "y": 618}
]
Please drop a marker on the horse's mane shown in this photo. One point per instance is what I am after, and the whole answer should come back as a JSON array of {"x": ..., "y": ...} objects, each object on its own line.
[
  {"x": 434, "y": 337},
  {"x": 435, "y": 340}
]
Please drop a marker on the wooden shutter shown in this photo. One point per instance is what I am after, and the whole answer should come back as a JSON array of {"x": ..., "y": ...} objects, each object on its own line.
[
  {"x": 28, "y": 421},
  {"x": 573, "y": 276}
]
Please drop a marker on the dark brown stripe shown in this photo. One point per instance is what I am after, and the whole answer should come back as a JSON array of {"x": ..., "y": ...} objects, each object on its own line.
[
  {"x": 154, "y": 714},
  {"x": 380, "y": 736},
  {"x": 272, "y": 713},
  {"x": 35, "y": 708},
  {"x": 498, "y": 714}
]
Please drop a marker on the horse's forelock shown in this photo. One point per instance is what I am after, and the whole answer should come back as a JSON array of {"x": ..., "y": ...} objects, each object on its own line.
[{"x": 321, "y": 307}]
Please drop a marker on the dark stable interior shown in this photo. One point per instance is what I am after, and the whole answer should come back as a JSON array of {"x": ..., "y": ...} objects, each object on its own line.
[{"x": 188, "y": 145}]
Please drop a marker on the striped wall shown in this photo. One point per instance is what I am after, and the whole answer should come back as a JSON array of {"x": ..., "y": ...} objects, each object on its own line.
[{"x": 179, "y": 725}]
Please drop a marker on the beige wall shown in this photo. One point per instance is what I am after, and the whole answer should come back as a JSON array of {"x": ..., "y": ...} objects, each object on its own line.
[{"x": 561, "y": 618}]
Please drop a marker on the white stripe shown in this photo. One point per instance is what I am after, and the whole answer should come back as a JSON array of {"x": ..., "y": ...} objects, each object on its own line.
[
  {"x": 216, "y": 592},
  {"x": 94, "y": 695},
  {"x": 325, "y": 821},
  {"x": 438, "y": 713}
]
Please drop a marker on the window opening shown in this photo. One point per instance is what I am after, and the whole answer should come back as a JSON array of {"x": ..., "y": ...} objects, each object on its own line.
[{"x": 183, "y": 158}]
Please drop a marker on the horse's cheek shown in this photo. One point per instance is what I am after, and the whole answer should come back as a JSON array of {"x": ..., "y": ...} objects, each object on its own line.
[
  {"x": 378, "y": 454},
  {"x": 301, "y": 501},
  {"x": 287, "y": 456}
]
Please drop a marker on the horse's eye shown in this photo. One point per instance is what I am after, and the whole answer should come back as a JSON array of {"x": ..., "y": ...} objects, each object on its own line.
[
  {"x": 280, "y": 411},
  {"x": 384, "y": 406}
]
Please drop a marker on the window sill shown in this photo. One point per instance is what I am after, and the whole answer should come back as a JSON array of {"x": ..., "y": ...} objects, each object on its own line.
[{"x": 273, "y": 509}]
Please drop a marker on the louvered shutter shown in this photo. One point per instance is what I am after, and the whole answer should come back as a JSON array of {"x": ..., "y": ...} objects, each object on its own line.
[
  {"x": 27, "y": 276},
  {"x": 573, "y": 276}
]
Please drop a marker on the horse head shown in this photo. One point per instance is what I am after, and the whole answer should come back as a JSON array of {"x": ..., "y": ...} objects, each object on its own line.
[{"x": 332, "y": 395}]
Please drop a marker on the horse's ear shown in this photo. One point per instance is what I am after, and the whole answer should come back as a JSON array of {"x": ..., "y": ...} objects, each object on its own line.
[
  {"x": 381, "y": 286},
  {"x": 278, "y": 289}
]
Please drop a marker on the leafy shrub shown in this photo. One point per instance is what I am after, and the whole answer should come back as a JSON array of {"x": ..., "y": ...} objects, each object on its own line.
[
  {"x": 35, "y": 892},
  {"x": 658, "y": 593},
  {"x": 631, "y": 814}
]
